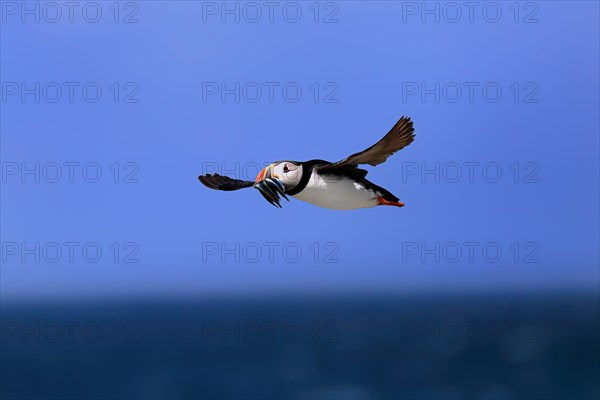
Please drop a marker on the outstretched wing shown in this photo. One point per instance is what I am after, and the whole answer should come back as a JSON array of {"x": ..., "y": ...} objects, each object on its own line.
[
  {"x": 400, "y": 136},
  {"x": 220, "y": 182}
]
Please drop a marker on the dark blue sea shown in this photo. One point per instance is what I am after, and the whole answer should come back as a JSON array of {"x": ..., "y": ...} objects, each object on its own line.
[{"x": 405, "y": 347}]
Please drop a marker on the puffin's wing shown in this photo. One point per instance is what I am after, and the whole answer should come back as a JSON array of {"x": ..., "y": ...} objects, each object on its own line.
[
  {"x": 220, "y": 182},
  {"x": 400, "y": 136}
]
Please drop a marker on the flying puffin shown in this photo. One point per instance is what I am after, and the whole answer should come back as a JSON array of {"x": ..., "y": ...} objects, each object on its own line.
[{"x": 340, "y": 185}]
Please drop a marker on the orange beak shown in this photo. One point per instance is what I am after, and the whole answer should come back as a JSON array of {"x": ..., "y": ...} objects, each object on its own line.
[
  {"x": 263, "y": 174},
  {"x": 269, "y": 185}
]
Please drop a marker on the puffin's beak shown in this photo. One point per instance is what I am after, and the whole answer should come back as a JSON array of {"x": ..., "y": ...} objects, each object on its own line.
[{"x": 269, "y": 185}]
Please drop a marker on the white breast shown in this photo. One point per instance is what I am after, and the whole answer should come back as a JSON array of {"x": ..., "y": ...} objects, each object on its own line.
[{"x": 337, "y": 192}]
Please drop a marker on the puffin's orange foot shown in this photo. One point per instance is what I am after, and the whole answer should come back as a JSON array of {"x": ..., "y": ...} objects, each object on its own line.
[{"x": 384, "y": 202}]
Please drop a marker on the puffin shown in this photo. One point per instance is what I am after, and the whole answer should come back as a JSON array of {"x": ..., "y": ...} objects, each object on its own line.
[{"x": 340, "y": 185}]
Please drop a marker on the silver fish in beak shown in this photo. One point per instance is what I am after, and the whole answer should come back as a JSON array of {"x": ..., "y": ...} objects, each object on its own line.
[{"x": 270, "y": 186}]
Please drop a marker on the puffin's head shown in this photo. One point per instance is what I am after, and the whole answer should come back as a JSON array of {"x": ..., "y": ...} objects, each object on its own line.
[
  {"x": 278, "y": 178},
  {"x": 287, "y": 172}
]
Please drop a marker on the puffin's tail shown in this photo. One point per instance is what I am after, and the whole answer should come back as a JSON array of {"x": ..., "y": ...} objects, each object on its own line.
[{"x": 386, "y": 198}]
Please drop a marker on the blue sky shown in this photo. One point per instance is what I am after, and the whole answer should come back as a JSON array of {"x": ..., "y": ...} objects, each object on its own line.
[{"x": 518, "y": 97}]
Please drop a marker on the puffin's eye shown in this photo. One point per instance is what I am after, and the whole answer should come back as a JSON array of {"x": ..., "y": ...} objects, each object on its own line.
[{"x": 285, "y": 168}]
